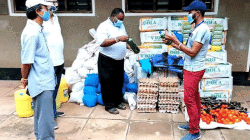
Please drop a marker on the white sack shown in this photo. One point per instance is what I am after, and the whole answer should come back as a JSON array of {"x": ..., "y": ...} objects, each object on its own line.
[
  {"x": 76, "y": 97},
  {"x": 95, "y": 70},
  {"x": 72, "y": 76},
  {"x": 92, "y": 48},
  {"x": 83, "y": 54},
  {"x": 83, "y": 72},
  {"x": 78, "y": 63},
  {"x": 128, "y": 66},
  {"x": 131, "y": 98},
  {"x": 242, "y": 126},
  {"x": 78, "y": 86},
  {"x": 90, "y": 64}
]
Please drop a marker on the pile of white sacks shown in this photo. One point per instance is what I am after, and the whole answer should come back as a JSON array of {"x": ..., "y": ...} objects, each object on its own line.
[{"x": 86, "y": 63}]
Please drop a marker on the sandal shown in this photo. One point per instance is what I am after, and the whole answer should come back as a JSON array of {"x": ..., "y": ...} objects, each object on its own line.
[
  {"x": 113, "y": 111},
  {"x": 121, "y": 106}
]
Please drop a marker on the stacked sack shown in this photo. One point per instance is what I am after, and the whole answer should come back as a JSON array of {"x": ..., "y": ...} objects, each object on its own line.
[
  {"x": 85, "y": 64},
  {"x": 92, "y": 90}
]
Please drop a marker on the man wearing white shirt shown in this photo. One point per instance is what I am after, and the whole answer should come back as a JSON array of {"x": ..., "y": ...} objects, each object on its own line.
[
  {"x": 112, "y": 37},
  {"x": 53, "y": 35}
]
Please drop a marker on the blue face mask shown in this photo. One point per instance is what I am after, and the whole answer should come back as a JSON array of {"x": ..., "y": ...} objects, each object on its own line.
[
  {"x": 118, "y": 23},
  {"x": 53, "y": 9},
  {"x": 190, "y": 18},
  {"x": 45, "y": 16}
]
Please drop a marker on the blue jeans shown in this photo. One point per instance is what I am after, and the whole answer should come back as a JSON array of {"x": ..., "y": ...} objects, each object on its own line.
[{"x": 58, "y": 74}]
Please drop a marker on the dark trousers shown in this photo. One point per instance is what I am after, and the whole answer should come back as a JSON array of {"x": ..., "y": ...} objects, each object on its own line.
[
  {"x": 111, "y": 76},
  {"x": 58, "y": 74}
]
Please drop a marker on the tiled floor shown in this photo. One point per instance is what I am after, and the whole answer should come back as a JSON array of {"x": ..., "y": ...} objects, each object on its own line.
[{"x": 82, "y": 123}]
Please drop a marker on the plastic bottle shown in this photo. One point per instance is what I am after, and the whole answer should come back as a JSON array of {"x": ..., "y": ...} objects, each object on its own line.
[{"x": 63, "y": 91}]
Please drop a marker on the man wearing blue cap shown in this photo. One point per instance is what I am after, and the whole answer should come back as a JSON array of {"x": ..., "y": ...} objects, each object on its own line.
[{"x": 194, "y": 65}]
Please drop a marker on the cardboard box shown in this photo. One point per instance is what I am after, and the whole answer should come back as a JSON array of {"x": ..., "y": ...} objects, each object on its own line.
[
  {"x": 217, "y": 84},
  {"x": 216, "y": 57},
  {"x": 153, "y": 46},
  {"x": 218, "y": 70},
  {"x": 173, "y": 51},
  {"x": 151, "y": 36},
  {"x": 177, "y": 23},
  {"x": 220, "y": 94},
  {"x": 148, "y": 50},
  {"x": 152, "y": 24}
]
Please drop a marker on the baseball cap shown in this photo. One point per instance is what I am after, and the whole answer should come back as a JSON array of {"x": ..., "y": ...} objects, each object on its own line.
[
  {"x": 196, "y": 5},
  {"x": 31, "y": 3}
]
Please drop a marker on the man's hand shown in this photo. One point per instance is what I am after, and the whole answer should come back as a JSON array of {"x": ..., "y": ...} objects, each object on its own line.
[
  {"x": 24, "y": 82},
  {"x": 171, "y": 37},
  {"x": 123, "y": 38}
]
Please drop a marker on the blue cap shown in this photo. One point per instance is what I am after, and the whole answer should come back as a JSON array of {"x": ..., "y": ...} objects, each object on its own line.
[{"x": 196, "y": 5}]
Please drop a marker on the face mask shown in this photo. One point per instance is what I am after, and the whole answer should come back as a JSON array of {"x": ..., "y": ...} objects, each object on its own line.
[
  {"x": 53, "y": 9},
  {"x": 45, "y": 16},
  {"x": 118, "y": 23},
  {"x": 191, "y": 18}
]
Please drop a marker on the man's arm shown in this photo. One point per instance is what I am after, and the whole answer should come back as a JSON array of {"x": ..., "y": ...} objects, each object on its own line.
[
  {"x": 192, "y": 52},
  {"x": 109, "y": 42},
  {"x": 25, "y": 69}
]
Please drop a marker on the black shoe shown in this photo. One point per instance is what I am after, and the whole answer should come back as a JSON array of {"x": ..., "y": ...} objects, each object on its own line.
[
  {"x": 60, "y": 114},
  {"x": 121, "y": 106},
  {"x": 113, "y": 111}
]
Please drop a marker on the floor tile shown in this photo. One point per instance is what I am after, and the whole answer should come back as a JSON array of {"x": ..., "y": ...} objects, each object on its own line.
[
  {"x": 69, "y": 128},
  {"x": 100, "y": 113},
  {"x": 100, "y": 129},
  {"x": 5, "y": 91},
  {"x": 17, "y": 127},
  {"x": 3, "y": 117},
  {"x": 7, "y": 106},
  {"x": 14, "y": 138},
  {"x": 11, "y": 93},
  {"x": 10, "y": 83},
  {"x": 178, "y": 134},
  {"x": 211, "y": 134},
  {"x": 75, "y": 110},
  {"x": 180, "y": 117},
  {"x": 150, "y": 131},
  {"x": 151, "y": 116},
  {"x": 232, "y": 134}
]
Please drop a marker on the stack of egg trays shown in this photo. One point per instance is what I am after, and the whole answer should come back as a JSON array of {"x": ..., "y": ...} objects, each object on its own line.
[
  {"x": 168, "y": 101},
  {"x": 147, "y": 95}
]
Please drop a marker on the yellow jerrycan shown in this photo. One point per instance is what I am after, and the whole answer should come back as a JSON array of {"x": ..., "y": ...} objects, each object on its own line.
[
  {"x": 23, "y": 102},
  {"x": 63, "y": 91},
  {"x": 58, "y": 101}
]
